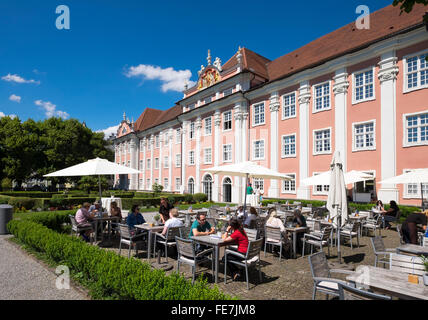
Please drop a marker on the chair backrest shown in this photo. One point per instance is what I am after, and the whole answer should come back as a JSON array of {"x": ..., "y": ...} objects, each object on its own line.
[
  {"x": 397, "y": 217},
  {"x": 407, "y": 264},
  {"x": 251, "y": 233},
  {"x": 124, "y": 231},
  {"x": 260, "y": 225},
  {"x": 212, "y": 222},
  {"x": 273, "y": 233},
  {"x": 73, "y": 220},
  {"x": 213, "y": 213},
  {"x": 185, "y": 247},
  {"x": 254, "y": 248},
  {"x": 400, "y": 233},
  {"x": 326, "y": 233},
  {"x": 319, "y": 265},
  {"x": 347, "y": 292},
  {"x": 185, "y": 231},
  {"x": 172, "y": 232},
  {"x": 377, "y": 244}
]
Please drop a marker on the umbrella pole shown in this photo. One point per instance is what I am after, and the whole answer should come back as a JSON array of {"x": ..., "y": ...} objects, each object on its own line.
[
  {"x": 245, "y": 197},
  {"x": 422, "y": 197},
  {"x": 339, "y": 224},
  {"x": 99, "y": 186}
]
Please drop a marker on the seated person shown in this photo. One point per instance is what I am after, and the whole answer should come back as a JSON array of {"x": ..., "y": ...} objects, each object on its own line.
[
  {"x": 235, "y": 234},
  {"x": 390, "y": 214},
  {"x": 134, "y": 218},
  {"x": 85, "y": 219},
  {"x": 275, "y": 222},
  {"x": 409, "y": 228},
  {"x": 300, "y": 221},
  {"x": 164, "y": 209},
  {"x": 173, "y": 221},
  {"x": 115, "y": 212},
  {"x": 201, "y": 227},
  {"x": 96, "y": 208},
  {"x": 240, "y": 214},
  {"x": 250, "y": 221}
]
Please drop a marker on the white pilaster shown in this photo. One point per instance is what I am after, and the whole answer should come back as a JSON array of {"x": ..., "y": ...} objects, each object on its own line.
[
  {"x": 304, "y": 192},
  {"x": 134, "y": 148},
  {"x": 340, "y": 90},
  {"x": 216, "y": 154},
  {"x": 144, "y": 162},
  {"x": 170, "y": 142},
  {"x": 160, "y": 158},
  {"x": 274, "y": 111},
  {"x": 198, "y": 126},
  {"x": 152, "y": 144},
  {"x": 237, "y": 154},
  {"x": 388, "y": 106},
  {"x": 184, "y": 130}
]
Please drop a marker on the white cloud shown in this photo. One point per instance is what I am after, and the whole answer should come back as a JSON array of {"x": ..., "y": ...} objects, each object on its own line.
[
  {"x": 15, "y": 98},
  {"x": 16, "y": 78},
  {"x": 8, "y": 115},
  {"x": 172, "y": 79},
  {"x": 50, "y": 109},
  {"x": 109, "y": 131}
]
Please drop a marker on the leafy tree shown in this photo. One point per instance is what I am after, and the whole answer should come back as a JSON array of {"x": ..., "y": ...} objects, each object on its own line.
[
  {"x": 407, "y": 5},
  {"x": 90, "y": 183},
  {"x": 157, "y": 188}
]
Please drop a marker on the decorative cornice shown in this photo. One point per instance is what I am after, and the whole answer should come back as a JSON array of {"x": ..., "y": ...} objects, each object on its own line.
[
  {"x": 198, "y": 123},
  {"x": 304, "y": 98},
  {"x": 217, "y": 118},
  {"x": 341, "y": 87},
  {"x": 388, "y": 74},
  {"x": 274, "y": 103}
]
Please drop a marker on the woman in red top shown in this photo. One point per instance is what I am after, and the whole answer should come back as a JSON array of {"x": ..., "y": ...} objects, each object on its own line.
[{"x": 235, "y": 234}]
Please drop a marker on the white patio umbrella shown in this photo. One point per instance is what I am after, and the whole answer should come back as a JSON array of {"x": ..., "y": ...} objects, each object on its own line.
[
  {"x": 324, "y": 178},
  {"x": 248, "y": 170},
  {"x": 414, "y": 176},
  {"x": 94, "y": 167},
  {"x": 337, "y": 202}
]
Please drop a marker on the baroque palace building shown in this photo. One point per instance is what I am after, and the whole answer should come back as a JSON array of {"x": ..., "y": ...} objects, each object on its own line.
[{"x": 363, "y": 92}]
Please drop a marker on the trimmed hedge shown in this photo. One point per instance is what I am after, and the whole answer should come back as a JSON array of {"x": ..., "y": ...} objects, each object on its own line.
[
  {"x": 200, "y": 197},
  {"x": 111, "y": 276},
  {"x": 29, "y": 194}
]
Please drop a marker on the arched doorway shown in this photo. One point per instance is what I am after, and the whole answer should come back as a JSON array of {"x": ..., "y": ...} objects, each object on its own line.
[
  {"x": 227, "y": 190},
  {"x": 191, "y": 186},
  {"x": 208, "y": 186}
]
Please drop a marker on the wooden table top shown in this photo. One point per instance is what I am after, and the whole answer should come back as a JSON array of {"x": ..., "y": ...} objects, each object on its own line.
[
  {"x": 414, "y": 249},
  {"x": 389, "y": 282},
  {"x": 211, "y": 239},
  {"x": 146, "y": 226}
]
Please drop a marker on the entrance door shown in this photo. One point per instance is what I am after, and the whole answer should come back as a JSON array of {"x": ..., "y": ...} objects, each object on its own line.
[
  {"x": 208, "y": 186},
  {"x": 227, "y": 190}
]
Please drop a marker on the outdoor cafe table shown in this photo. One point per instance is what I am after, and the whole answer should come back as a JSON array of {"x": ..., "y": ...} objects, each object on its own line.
[
  {"x": 150, "y": 229},
  {"x": 212, "y": 241},
  {"x": 359, "y": 219},
  {"x": 391, "y": 283},
  {"x": 188, "y": 213},
  {"x": 413, "y": 249},
  {"x": 107, "y": 219},
  {"x": 295, "y": 231}
]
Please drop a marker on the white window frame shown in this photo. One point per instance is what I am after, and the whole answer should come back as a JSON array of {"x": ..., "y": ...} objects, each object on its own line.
[
  {"x": 314, "y": 103},
  {"x": 206, "y": 98},
  {"x": 315, "y": 152},
  {"x": 192, "y": 131},
  {"x": 226, "y": 90},
  {"x": 405, "y": 141},
  {"x": 231, "y": 152},
  {"x": 149, "y": 164},
  {"x": 283, "y": 117},
  {"x": 417, "y": 195},
  {"x": 283, "y": 155},
  {"x": 354, "y": 89},
  {"x": 254, "y": 150},
  {"x": 193, "y": 185},
  {"x": 191, "y": 106},
  {"x": 210, "y": 154},
  {"x": 141, "y": 165},
  {"x": 177, "y": 136},
  {"x": 149, "y": 184},
  {"x": 283, "y": 190},
  {"x": 354, "y": 140},
  {"x": 257, "y": 182},
  {"x": 166, "y": 162},
  {"x": 315, "y": 192},
  {"x": 156, "y": 181},
  {"x": 157, "y": 142},
  {"x": 191, "y": 157},
  {"x": 177, "y": 184},
  {"x": 178, "y": 160},
  {"x": 254, "y": 124},
  {"x": 406, "y": 89},
  {"x": 157, "y": 163},
  {"x": 210, "y": 126},
  {"x": 165, "y": 183},
  {"x": 224, "y": 121}
]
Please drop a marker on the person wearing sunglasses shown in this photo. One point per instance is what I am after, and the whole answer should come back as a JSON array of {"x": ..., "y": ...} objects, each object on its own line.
[{"x": 201, "y": 227}]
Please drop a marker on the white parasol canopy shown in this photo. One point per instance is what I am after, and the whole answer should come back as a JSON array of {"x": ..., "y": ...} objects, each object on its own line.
[
  {"x": 324, "y": 178},
  {"x": 337, "y": 202},
  {"x": 413, "y": 176}
]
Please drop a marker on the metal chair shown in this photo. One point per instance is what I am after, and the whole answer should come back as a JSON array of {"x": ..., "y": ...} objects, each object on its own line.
[
  {"x": 400, "y": 234},
  {"x": 347, "y": 292},
  {"x": 127, "y": 238},
  {"x": 380, "y": 250},
  {"x": 251, "y": 233},
  {"x": 350, "y": 231},
  {"x": 78, "y": 229},
  {"x": 167, "y": 240},
  {"x": 273, "y": 237},
  {"x": 260, "y": 226},
  {"x": 319, "y": 239},
  {"x": 187, "y": 255},
  {"x": 252, "y": 258},
  {"x": 185, "y": 231},
  {"x": 321, "y": 274},
  {"x": 373, "y": 225}
]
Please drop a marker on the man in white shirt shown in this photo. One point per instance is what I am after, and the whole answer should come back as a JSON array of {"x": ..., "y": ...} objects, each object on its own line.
[{"x": 173, "y": 221}]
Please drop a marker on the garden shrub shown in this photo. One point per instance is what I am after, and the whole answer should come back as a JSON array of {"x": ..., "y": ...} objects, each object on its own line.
[
  {"x": 188, "y": 198},
  {"x": 21, "y": 202},
  {"x": 200, "y": 197}
]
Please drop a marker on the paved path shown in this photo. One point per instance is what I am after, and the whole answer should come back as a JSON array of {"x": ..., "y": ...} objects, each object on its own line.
[{"x": 23, "y": 278}]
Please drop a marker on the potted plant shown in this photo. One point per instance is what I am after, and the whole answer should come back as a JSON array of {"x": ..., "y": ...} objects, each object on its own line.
[
  {"x": 220, "y": 225},
  {"x": 425, "y": 276},
  {"x": 156, "y": 218}
]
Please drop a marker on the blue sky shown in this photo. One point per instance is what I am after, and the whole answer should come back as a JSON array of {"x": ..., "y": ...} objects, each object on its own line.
[{"x": 85, "y": 72}]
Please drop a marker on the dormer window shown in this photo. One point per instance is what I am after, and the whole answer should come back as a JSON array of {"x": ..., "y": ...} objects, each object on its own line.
[{"x": 124, "y": 131}]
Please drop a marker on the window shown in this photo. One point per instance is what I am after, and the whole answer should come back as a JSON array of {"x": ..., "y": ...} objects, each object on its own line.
[
  {"x": 166, "y": 139},
  {"x": 322, "y": 142},
  {"x": 156, "y": 163},
  {"x": 191, "y": 186},
  {"x": 141, "y": 164},
  {"x": 289, "y": 186},
  {"x": 320, "y": 189},
  {"x": 128, "y": 164},
  {"x": 413, "y": 190},
  {"x": 258, "y": 184},
  {"x": 192, "y": 130},
  {"x": 207, "y": 155},
  {"x": 364, "y": 136},
  {"x": 157, "y": 142},
  {"x": 289, "y": 106},
  {"x": 227, "y": 153},
  {"x": 178, "y": 160},
  {"x": 166, "y": 162},
  {"x": 141, "y": 145},
  {"x": 416, "y": 72},
  {"x": 191, "y": 106},
  {"x": 208, "y": 126},
  {"x": 208, "y": 99},
  {"x": 363, "y": 86},
  {"x": 322, "y": 97},
  {"x": 192, "y": 157},
  {"x": 416, "y": 129},
  {"x": 289, "y": 146},
  {"x": 258, "y": 150},
  {"x": 165, "y": 183},
  {"x": 148, "y": 164},
  {"x": 259, "y": 114},
  {"x": 177, "y": 184},
  {"x": 178, "y": 136},
  {"x": 148, "y": 184},
  {"x": 227, "y": 120},
  {"x": 157, "y": 180},
  {"x": 141, "y": 183},
  {"x": 227, "y": 92}
]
